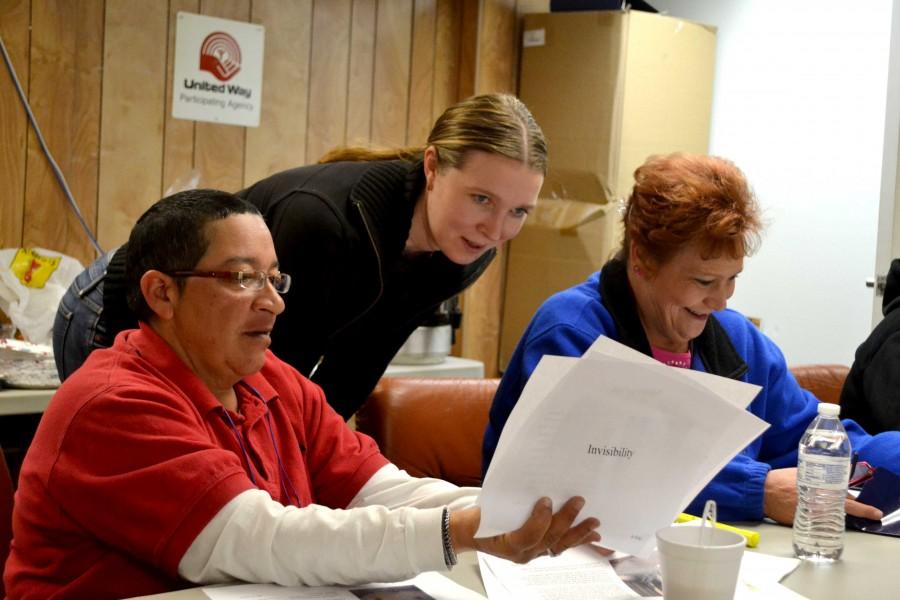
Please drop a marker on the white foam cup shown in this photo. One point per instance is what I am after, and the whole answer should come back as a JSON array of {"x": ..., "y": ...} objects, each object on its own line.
[{"x": 691, "y": 571}]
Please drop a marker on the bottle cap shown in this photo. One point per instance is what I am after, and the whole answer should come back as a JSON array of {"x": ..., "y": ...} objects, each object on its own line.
[{"x": 829, "y": 410}]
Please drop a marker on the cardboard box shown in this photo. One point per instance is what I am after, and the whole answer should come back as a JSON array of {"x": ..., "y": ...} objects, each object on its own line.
[
  {"x": 609, "y": 89},
  {"x": 562, "y": 243}
]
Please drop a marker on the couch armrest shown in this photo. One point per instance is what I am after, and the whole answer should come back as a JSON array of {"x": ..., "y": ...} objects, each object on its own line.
[{"x": 430, "y": 427}]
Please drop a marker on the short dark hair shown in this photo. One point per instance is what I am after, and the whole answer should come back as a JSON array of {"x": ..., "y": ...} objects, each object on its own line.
[{"x": 171, "y": 236}]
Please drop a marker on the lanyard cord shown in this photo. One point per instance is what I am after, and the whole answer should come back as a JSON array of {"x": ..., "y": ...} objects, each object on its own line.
[
  {"x": 285, "y": 480},
  {"x": 287, "y": 486},
  {"x": 240, "y": 441}
]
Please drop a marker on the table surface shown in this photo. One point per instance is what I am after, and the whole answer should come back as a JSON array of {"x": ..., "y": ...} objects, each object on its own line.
[
  {"x": 24, "y": 402},
  {"x": 866, "y": 569}
]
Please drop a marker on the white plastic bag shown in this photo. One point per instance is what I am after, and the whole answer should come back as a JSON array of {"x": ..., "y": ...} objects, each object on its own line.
[{"x": 32, "y": 282}]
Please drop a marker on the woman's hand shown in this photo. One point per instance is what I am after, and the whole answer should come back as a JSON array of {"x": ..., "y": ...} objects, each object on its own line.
[
  {"x": 780, "y": 495},
  {"x": 543, "y": 533},
  {"x": 780, "y": 499}
]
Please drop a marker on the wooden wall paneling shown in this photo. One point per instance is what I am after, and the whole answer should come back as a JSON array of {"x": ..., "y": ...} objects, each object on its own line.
[
  {"x": 494, "y": 73},
  {"x": 448, "y": 19},
  {"x": 178, "y": 171},
  {"x": 219, "y": 149},
  {"x": 448, "y": 24},
  {"x": 64, "y": 91},
  {"x": 393, "y": 44},
  {"x": 131, "y": 143},
  {"x": 524, "y": 7},
  {"x": 497, "y": 47},
  {"x": 422, "y": 73},
  {"x": 361, "y": 74},
  {"x": 469, "y": 39},
  {"x": 15, "y": 17},
  {"x": 329, "y": 64},
  {"x": 280, "y": 140}
]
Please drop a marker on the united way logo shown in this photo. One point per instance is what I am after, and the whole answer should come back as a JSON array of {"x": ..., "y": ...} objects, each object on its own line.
[{"x": 220, "y": 55}]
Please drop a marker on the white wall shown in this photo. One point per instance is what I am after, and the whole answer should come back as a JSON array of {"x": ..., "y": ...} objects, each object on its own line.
[{"x": 799, "y": 104}]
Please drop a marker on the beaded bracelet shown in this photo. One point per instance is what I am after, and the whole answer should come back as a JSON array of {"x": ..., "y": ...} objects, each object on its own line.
[{"x": 449, "y": 554}]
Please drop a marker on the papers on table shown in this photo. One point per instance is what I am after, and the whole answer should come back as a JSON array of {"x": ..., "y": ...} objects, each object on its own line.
[
  {"x": 577, "y": 574},
  {"x": 583, "y": 573},
  {"x": 637, "y": 439},
  {"x": 427, "y": 586}
]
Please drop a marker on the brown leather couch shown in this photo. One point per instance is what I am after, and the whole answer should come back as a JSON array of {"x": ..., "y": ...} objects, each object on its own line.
[
  {"x": 824, "y": 381},
  {"x": 434, "y": 427}
]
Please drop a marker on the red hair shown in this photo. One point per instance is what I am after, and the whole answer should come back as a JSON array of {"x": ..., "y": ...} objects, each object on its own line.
[{"x": 681, "y": 198}]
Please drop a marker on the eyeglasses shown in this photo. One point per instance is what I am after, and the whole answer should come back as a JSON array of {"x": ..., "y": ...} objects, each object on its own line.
[{"x": 249, "y": 280}]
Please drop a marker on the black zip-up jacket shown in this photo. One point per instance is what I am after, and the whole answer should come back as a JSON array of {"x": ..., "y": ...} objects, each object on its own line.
[
  {"x": 871, "y": 394},
  {"x": 340, "y": 230}
]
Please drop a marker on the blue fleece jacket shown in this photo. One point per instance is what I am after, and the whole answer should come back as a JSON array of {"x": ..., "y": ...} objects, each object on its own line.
[{"x": 569, "y": 322}]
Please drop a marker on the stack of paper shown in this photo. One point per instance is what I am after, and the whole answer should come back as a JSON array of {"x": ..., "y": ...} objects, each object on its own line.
[
  {"x": 582, "y": 573},
  {"x": 426, "y": 586},
  {"x": 637, "y": 439}
]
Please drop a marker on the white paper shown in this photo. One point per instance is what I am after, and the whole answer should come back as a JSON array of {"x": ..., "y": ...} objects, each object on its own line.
[
  {"x": 582, "y": 573},
  {"x": 544, "y": 377},
  {"x": 637, "y": 440},
  {"x": 434, "y": 584},
  {"x": 737, "y": 392},
  {"x": 760, "y": 576},
  {"x": 578, "y": 573}
]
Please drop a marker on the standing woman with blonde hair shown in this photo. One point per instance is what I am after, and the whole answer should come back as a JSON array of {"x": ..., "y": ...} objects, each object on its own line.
[{"x": 375, "y": 241}]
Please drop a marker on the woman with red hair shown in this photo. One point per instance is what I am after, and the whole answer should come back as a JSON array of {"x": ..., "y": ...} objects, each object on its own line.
[{"x": 688, "y": 224}]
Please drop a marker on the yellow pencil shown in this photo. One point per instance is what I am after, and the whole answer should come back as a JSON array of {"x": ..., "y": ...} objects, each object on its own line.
[{"x": 752, "y": 537}]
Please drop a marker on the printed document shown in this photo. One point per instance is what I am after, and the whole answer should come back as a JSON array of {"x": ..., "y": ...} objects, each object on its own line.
[
  {"x": 582, "y": 572},
  {"x": 636, "y": 438},
  {"x": 426, "y": 586}
]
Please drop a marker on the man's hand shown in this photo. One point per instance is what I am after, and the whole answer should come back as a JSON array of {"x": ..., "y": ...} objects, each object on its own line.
[
  {"x": 543, "y": 533},
  {"x": 780, "y": 499}
]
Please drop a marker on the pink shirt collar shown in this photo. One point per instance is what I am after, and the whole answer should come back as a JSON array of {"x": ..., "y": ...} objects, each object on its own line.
[{"x": 681, "y": 360}]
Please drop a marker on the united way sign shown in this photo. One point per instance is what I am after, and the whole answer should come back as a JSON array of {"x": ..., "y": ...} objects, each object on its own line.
[{"x": 218, "y": 70}]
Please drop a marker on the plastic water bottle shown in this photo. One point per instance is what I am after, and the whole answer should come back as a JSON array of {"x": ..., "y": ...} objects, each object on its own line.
[{"x": 823, "y": 469}]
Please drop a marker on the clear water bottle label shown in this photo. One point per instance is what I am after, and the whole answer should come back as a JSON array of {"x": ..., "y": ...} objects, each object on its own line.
[{"x": 829, "y": 472}]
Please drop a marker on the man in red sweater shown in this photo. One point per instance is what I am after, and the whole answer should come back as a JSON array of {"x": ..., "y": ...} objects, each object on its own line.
[{"x": 188, "y": 453}]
